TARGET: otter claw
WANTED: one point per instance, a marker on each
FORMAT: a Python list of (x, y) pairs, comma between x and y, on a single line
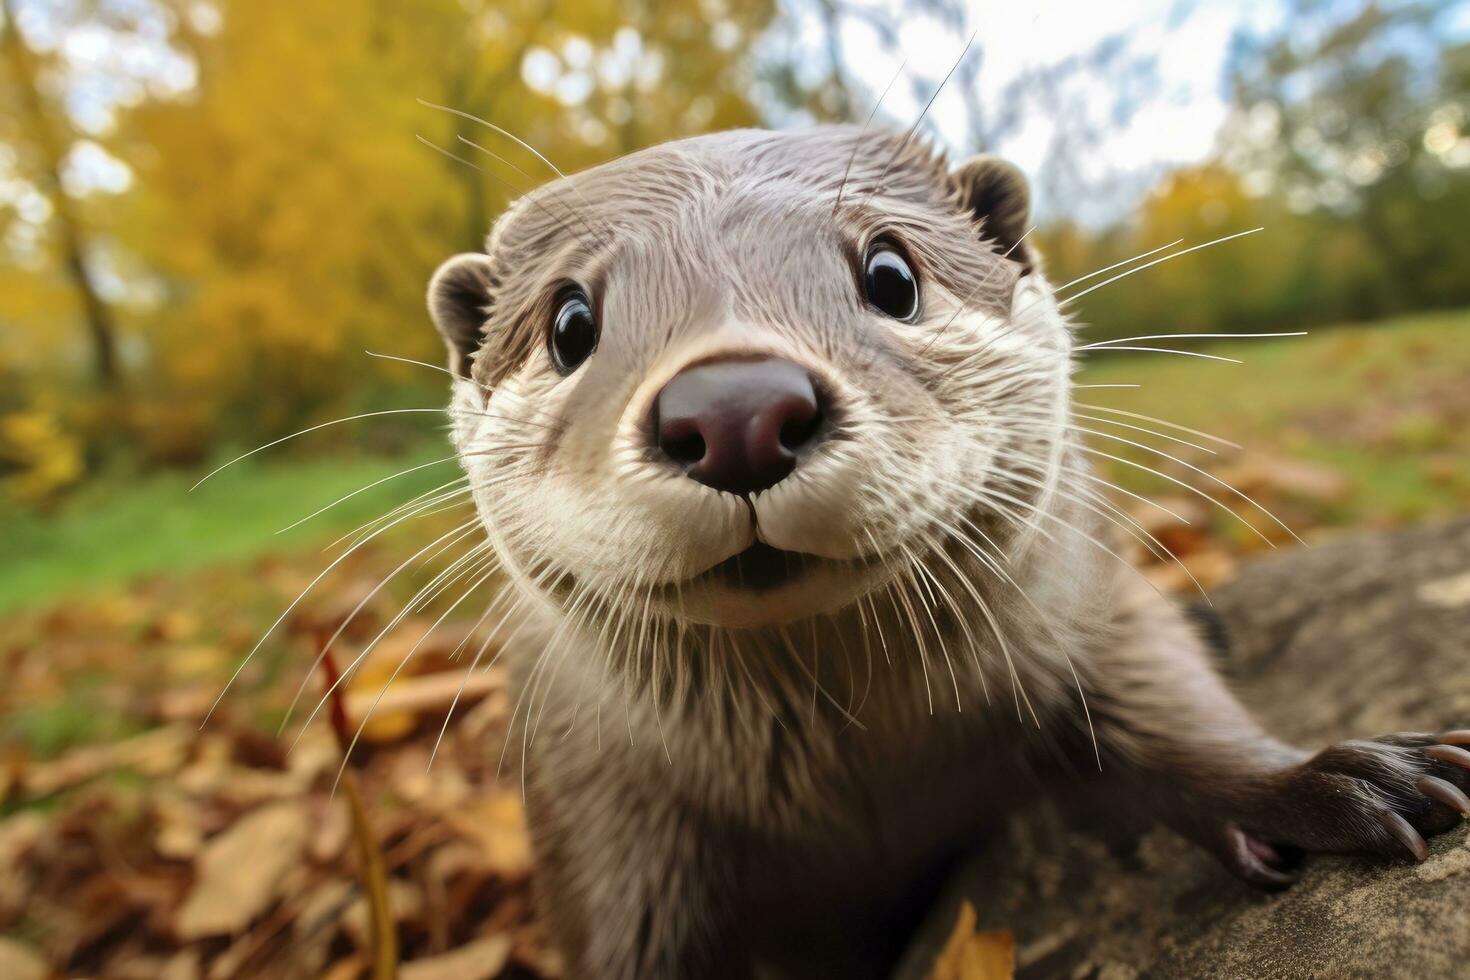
[(1443, 791), (1458, 737), (1404, 833), (1254, 861), (1450, 754)]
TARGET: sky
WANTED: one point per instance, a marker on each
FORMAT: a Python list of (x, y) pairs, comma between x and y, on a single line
[(1177, 119), (1176, 123)]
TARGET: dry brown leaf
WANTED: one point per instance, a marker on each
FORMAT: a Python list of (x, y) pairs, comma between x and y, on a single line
[(152, 753), (240, 871), (969, 954), (479, 959), (1293, 477), (1211, 567), (409, 697), (183, 965), (497, 822), (18, 836), (348, 968), (1173, 511), (19, 962)]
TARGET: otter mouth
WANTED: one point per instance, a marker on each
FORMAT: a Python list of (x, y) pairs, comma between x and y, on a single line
[(761, 568)]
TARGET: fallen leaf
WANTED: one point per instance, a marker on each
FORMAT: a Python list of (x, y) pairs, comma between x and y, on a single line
[(410, 697), (969, 954), (151, 753), (349, 968), (480, 959), (19, 962), (1293, 477), (497, 823), (240, 871)]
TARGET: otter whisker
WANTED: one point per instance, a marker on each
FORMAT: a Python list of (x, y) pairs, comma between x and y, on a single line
[(525, 146), (878, 628), (475, 568), (1116, 265), (1148, 265), (994, 498), (817, 688), (1093, 477), (847, 172), (1148, 540), (528, 687), (449, 500), (433, 367), (445, 541), (908, 136), (314, 428), (1158, 421), (286, 612), (657, 700), (474, 662), (1208, 476), (1146, 431), (867, 659), (439, 493), (1101, 344), (351, 668), (960, 308), (366, 487), (898, 592), (922, 575), (1017, 688), (554, 196), (1188, 486), (1167, 350), (937, 548), (1042, 618), (534, 202), (574, 620)]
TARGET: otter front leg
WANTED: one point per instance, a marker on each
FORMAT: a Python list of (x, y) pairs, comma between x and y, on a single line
[(1191, 753)]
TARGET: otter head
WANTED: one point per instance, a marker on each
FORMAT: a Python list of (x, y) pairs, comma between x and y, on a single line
[(745, 379)]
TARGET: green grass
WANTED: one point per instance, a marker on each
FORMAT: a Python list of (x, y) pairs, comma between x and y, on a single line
[(116, 530), (1386, 404)]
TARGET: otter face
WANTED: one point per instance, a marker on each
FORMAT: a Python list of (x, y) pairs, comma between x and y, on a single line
[(717, 381)]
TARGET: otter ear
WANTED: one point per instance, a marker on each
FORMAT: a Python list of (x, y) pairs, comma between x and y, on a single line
[(459, 302), (994, 192)]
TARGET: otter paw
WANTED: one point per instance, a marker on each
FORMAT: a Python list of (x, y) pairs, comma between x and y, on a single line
[(1377, 796)]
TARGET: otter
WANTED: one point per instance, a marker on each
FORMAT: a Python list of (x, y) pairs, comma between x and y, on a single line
[(773, 433)]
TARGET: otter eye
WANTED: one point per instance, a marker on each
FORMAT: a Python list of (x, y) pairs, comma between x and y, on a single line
[(890, 284), (573, 331)]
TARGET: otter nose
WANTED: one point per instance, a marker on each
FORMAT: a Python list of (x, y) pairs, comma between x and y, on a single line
[(737, 425)]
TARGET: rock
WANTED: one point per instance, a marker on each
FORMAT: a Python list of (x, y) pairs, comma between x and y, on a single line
[(1362, 635)]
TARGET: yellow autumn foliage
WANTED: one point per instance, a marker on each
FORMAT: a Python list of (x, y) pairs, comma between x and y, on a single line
[(37, 456), (282, 218)]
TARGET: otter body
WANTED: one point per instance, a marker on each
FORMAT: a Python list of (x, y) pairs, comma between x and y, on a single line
[(774, 436)]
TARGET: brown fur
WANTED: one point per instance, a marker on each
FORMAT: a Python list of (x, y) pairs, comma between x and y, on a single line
[(728, 784)]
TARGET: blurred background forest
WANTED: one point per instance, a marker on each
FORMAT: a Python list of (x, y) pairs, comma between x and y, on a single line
[(211, 211)]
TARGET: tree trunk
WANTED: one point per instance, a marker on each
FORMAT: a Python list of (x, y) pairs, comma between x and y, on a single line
[(101, 328)]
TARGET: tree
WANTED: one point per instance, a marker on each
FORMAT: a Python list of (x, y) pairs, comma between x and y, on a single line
[(41, 140), (1355, 111)]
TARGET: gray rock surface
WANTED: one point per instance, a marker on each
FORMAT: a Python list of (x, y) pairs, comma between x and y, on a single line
[(1361, 635)]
